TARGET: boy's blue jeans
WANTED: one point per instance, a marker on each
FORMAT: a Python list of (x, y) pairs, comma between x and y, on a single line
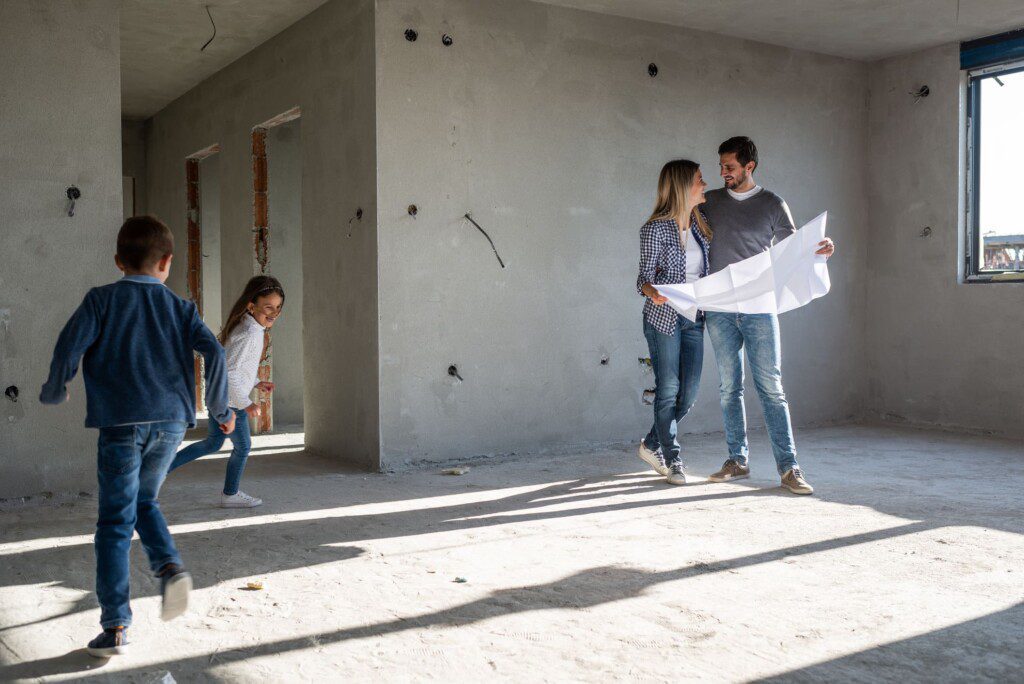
[(677, 360), (759, 333), (131, 465), (240, 441)]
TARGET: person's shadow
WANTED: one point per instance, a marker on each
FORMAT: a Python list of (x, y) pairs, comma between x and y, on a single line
[(77, 661)]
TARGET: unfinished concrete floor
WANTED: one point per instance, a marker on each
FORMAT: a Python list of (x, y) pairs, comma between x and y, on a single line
[(908, 565)]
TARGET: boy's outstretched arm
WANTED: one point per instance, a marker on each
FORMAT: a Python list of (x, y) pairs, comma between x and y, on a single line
[(78, 334), (204, 342)]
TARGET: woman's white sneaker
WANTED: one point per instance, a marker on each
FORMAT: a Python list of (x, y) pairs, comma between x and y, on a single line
[(653, 459), (239, 500)]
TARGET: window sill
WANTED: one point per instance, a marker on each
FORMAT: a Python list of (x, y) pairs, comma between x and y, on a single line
[(995, 278)]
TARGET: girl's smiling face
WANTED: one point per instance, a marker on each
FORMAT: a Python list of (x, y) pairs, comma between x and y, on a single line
[(266, 309)]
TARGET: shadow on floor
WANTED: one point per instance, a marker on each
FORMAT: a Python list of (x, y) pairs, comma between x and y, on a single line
[(591, 587), (989, 648)]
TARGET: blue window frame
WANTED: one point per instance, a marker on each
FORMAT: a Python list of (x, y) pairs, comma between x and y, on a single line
[(994, 249)]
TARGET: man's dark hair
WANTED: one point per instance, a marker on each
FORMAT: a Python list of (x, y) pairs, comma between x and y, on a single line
[(743, 147), (143, 241)]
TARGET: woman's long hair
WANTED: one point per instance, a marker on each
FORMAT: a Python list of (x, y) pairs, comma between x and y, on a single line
[(258, 286), (674, 184)]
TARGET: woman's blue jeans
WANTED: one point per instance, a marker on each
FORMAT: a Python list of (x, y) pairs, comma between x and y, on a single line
[(240, 441), (677, 360)]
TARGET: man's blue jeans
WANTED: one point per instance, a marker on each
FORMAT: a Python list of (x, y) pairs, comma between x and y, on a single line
[(677, 360), (759, 333), (240, 441), (131, 465)]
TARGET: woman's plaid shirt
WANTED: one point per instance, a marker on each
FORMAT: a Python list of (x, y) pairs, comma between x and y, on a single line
[(663, 262)]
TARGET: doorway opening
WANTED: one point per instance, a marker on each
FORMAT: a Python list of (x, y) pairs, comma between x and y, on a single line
[(202, 178), (277, 230)]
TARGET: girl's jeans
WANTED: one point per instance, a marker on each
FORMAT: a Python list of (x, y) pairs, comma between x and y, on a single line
[(239, 453)]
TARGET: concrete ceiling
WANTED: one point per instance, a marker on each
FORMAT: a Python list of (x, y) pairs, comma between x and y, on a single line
[(160, 42), (857, 29), (161, 39)]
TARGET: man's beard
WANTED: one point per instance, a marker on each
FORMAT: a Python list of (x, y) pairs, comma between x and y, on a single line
[(738, 179)]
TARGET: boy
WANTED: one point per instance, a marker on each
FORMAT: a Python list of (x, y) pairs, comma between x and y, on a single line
[(137, 339)]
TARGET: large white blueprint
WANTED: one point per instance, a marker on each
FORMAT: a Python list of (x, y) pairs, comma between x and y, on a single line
[(786, 276)]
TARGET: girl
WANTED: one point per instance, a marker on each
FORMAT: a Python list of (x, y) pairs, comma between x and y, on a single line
[(242, 337), (673, 249)]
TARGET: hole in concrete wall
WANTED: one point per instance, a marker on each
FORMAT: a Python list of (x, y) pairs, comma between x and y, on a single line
[(411, 35), (604, 360), (73, 194), (11, 393), (446, 40), (413, 210), (453, 371), (652, 69)]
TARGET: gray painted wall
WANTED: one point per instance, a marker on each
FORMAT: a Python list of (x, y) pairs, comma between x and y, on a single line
[(284, 195), (940, 352), (324, 64), (543, 123), (59, 125)]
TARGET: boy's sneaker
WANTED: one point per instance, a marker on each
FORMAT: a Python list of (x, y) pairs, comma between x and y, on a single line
[(175, 585), (653, 459), (794, 481), (731, 470), (239, 500), (110, 642), (676, 474)]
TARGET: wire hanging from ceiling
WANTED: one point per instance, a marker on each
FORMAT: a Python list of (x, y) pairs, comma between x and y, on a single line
[(214, 29)]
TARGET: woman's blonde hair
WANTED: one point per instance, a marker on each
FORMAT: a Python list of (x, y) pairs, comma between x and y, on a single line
[(675, 181)]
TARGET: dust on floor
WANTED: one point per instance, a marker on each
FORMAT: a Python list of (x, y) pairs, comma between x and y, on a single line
[(907, 565)]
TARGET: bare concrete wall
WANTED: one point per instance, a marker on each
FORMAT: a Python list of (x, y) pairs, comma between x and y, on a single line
[(324, 64), (209, 224), (284, 195), (940, 352), (544, 124), (60, 125)]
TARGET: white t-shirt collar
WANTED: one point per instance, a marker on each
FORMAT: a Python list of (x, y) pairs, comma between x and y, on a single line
[(744, 195)]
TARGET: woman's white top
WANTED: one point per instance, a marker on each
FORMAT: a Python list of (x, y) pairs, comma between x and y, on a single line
[(243, 352), (694, 257)]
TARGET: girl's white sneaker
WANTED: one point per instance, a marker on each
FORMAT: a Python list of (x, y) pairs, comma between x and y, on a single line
[(239, 500)]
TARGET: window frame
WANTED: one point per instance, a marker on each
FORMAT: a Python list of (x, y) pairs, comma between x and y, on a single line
[(972, 233)]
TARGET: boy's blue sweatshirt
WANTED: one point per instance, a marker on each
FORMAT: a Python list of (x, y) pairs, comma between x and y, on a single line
[(137, 339)]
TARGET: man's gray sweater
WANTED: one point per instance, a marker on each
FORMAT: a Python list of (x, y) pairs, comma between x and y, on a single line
[(743, 228)]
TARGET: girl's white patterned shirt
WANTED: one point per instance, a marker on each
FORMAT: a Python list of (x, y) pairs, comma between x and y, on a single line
[(243, 352)]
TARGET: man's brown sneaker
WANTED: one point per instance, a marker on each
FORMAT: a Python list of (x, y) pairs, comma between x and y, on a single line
[(731, 470), (794, 481)]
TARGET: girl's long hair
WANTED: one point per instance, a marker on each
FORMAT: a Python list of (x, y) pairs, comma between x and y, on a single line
[(674, 183), (258, 286)]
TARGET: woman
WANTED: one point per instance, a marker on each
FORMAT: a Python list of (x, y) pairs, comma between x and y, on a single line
[(673, 249)]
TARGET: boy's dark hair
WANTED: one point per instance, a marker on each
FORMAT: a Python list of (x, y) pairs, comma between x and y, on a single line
[(743, 147), (143, 241)]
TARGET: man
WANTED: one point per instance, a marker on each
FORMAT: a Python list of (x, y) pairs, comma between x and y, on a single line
[(747, 219)]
